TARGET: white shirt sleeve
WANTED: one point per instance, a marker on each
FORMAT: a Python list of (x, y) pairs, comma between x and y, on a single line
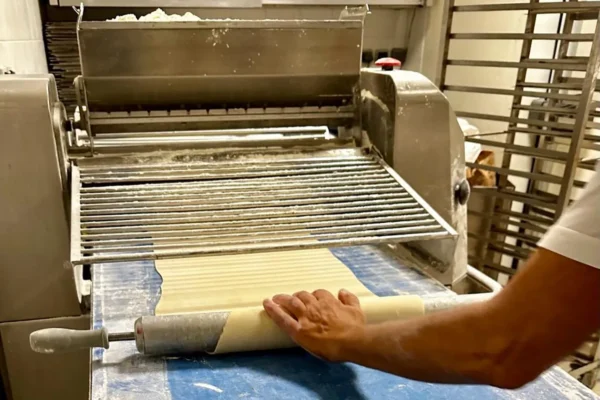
[(576, 235)]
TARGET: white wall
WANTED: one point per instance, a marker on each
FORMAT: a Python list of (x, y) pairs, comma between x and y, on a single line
[(21, 45), (425, 43)]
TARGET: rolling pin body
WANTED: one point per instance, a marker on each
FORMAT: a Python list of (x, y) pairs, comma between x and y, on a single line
[(244, 329)]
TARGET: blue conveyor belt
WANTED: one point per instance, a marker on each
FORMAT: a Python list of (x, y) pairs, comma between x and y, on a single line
[(124, 291)]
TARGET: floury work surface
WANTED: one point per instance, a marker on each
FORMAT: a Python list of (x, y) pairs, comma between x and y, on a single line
[(122, 292)]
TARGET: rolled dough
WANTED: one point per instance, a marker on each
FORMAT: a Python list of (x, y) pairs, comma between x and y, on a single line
[(249, 329), (239, 284)]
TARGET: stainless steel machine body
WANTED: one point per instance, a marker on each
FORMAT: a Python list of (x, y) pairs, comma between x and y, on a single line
[(221, 137), (34, 227), (411, 122)]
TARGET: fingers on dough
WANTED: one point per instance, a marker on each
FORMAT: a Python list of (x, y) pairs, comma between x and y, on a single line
[(281, 298), (322, 294), (348, 298), (281, 317), (292, 305), (306, 297)]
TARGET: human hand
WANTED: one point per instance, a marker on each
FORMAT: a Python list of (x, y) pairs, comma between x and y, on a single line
[(320, 323)]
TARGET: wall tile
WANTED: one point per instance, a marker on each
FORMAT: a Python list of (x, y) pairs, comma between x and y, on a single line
[(24, 57), (20, 20)]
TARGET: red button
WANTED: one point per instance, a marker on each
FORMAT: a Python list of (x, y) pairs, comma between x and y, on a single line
[(388, 63)]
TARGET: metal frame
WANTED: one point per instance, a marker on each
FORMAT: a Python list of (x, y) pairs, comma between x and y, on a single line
[(581, 119), (130, 211), (514, 234), (232, 3), (203, 193), (236, 64)]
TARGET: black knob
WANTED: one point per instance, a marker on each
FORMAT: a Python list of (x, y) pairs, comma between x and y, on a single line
[(68, 125), (462, 191)]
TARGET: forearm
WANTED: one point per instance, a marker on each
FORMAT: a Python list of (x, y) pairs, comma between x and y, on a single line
[(463, 346), (539, 318)]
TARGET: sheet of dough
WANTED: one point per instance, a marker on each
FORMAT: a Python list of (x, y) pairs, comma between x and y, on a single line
[(223, 283), (239, 283)]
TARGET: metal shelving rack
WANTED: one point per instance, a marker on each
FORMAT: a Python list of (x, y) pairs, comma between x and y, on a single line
[(561, 124)]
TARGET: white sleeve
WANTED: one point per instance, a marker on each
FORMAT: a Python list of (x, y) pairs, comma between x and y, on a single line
[(576, 235)]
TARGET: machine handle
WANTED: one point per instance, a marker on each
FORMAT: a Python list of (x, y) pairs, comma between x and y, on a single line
[(58, 340)]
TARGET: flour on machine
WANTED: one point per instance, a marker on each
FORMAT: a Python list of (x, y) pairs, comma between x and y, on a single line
[(229, 136)]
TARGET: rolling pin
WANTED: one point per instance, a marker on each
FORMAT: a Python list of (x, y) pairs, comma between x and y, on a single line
[(204, 332), (238, 330)]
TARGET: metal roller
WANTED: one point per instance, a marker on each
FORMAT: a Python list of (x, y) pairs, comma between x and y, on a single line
[(179, 334), (153, 335)]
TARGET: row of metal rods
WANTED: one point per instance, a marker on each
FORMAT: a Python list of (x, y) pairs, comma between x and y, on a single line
[(313, 237), (513, 233), (164, 227), (191, 193), (262, 184), (133, 211), (556, 129), (254, 246), (207, 240), (258, 225), (197, 209), (222, 173), (243, 215), (208, 167), (224, 199)]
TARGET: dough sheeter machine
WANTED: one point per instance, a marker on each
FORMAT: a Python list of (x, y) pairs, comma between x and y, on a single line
[(235, 136)]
